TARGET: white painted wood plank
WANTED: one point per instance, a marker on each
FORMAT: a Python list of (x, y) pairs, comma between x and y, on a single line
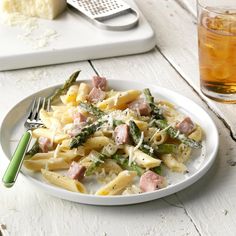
[(189, 5), (25, 210), (176, 36), (205, 202)]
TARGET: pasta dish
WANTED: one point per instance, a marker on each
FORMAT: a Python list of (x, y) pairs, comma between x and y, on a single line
[(122, 140)]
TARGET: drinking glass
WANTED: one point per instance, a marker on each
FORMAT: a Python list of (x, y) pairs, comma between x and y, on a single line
[(217, 49)]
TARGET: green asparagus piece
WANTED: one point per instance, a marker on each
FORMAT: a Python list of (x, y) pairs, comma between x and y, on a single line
[(92, 109), (162, 124), (124, 163), (90, 170), (145, 146), (34, 149), (156, 112), (165, 148), (157, 170), (117, 123), (85, 133), (63, 89)]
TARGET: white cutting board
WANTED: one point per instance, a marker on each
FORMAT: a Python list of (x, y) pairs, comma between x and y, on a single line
[(70, 37)]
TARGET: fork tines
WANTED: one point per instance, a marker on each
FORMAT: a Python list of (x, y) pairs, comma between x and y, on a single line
[(38, 104)]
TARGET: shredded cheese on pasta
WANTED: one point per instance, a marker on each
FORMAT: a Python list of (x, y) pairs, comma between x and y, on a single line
[(158, 130), (132, 150), (56, 152)]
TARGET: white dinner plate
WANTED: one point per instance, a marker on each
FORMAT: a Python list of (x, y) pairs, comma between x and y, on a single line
[(201, 160)]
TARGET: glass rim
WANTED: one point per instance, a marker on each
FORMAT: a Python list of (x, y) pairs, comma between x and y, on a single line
[(212, 11)]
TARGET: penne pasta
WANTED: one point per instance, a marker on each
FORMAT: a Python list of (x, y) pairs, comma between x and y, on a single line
[(110, 166), (159, 137), (120, 100), (72, 94), (173, 164), (197, 134), (51, 164), (63, 181), (142, 159), (43, 132), (124, 179), (183, 153), (83, 92), (97, 143)]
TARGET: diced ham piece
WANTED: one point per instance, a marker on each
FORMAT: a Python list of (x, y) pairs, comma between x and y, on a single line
[(186, 126), (99, 82), (78, 117), (151, 181), (96, 95), (140, 106), (76, 128), (76, 171), (121, 134), (45, 144)]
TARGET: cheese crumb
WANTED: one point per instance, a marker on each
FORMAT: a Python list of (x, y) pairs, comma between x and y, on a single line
[(31, 33), (48, 9)]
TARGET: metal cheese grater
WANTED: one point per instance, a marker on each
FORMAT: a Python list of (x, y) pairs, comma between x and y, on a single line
[(101, 12)]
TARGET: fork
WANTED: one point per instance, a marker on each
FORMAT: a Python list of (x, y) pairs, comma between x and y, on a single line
[(32, 122)]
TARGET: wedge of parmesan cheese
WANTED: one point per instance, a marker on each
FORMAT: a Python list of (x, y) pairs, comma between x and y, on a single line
[(48, 9)]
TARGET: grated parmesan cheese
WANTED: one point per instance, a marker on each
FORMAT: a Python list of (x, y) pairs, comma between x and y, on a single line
[(132, 190), (56, 152), (132, 150), (117, 98), (32, 33), (158, 130), (177, 134), (140, 142), (166, 128)]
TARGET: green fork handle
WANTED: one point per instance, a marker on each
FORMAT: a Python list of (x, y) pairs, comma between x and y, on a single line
[(15, 164)]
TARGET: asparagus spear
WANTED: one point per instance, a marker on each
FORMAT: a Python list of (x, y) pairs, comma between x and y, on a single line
[(34, 149), (62, 90), (162, 123), (117, 123), (156, 112), (157, 170), (124, 163), (177, 135), (85, 133), (145, 146), (90, 170), (92, 109)]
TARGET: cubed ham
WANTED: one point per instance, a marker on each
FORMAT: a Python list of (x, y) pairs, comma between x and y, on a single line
[(121, 134), (45, 144), (76, 171), (99, 82), (78, 117), (76, 128), (140, 106), (186, 126), (96, 95), (151, 181)]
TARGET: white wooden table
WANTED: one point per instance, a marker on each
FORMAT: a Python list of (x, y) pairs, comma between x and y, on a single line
[(206, 208)]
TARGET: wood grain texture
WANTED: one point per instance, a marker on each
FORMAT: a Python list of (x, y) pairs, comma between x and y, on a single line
[(206, 202), (176, 37)]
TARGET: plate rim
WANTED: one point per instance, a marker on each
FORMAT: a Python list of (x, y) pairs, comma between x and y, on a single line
[(130, 199)]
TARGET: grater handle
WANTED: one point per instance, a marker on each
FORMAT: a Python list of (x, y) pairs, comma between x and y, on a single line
[(99, 21)]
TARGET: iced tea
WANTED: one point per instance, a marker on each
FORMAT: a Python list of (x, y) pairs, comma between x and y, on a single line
[(217, 54)]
